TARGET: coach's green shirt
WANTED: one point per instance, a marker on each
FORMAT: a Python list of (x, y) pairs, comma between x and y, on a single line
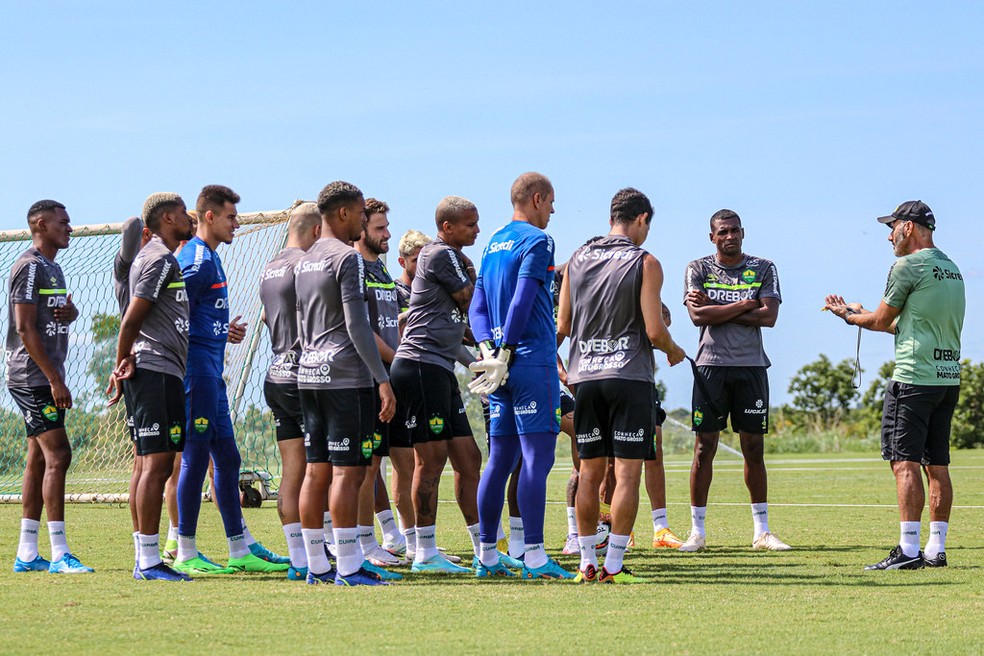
[(929, 289)]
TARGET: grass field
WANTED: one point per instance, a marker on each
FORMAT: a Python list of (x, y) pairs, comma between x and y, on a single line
[(838, 511)]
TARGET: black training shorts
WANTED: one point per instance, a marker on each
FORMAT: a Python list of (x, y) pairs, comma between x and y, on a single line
[(614, 418), (156, 402), (284, 401), (338, 425), (741, 392), (916, 422), (428, 402), (38, 408)]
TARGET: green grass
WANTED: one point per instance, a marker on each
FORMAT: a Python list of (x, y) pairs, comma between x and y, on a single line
[(837, 510)]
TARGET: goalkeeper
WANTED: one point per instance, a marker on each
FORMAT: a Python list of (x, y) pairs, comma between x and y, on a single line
[(512, 318)]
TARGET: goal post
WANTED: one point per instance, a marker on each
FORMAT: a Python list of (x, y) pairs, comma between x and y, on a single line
[(101, 450)]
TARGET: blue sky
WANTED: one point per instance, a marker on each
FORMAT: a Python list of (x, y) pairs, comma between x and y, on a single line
[(808, 119)]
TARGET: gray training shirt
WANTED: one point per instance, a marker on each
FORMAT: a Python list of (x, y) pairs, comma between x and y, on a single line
[(608, 332), (280, 308), (163, 342), (730, 344), (35, 280), (132, 234), (338, 350), (384, 302), (435, 325)]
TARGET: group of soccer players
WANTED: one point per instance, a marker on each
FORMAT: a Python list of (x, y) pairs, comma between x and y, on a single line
[(363, 368)]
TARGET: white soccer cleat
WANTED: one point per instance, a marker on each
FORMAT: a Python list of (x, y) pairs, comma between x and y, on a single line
[(767, 541), (382, 558), (694, 542), (572, 546)]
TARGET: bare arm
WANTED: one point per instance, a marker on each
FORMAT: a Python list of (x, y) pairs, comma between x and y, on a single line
[(385, 352), (652, 310), (463, 297), (881, 320), (763, 316), (136, 313), (564, 311), (25, 318)]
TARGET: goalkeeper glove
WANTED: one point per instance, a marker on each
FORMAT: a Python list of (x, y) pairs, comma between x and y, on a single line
[(493, 367)]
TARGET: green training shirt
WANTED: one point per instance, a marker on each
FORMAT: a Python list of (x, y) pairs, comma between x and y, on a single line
[(929, 289)]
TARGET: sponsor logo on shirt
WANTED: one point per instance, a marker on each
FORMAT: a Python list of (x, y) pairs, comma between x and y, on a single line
[(587, 346), (945, 274), (501, 246), (53, 328), (32, 270)]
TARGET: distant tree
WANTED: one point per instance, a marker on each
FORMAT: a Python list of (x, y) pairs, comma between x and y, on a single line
[(824, 391), (104, 329), (968, 418)]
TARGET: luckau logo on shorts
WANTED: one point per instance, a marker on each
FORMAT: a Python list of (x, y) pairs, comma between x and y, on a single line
[(50, 412), (174, 432), (367, 447), (201, 425), (528, 409), (436, 424), (377, 439), (698, 417), (593, 436)]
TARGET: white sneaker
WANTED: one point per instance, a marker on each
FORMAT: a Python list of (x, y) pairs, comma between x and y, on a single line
[(398, 548), (572, 546), (382, 558), (449, 557), (769, 542), (694, 542)]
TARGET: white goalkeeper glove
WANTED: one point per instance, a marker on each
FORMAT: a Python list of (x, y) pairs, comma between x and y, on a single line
[(493, 367)]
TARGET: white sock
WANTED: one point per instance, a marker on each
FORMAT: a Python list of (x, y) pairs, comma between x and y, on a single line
[(59, 544), (571, 521), (474, 534), (659, 520), (500, 533), (136, 547), (697, 515), (410, 535), (937, 539), (617, 544), (589, 555), (426, 543), (909, 538), (535, 555), (187, 548), (387, 524), (760, 518), (295, 544), (237, 546), (172, 533), (348, 552), (367, 538), (517, 539), (150, 550), (329, 529), (490, 554), (27, 548), (314, 550), (246, 534)]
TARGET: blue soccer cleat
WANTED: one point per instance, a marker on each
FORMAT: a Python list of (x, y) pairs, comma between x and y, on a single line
[(383, 574), (263, 553), (361, 577), (510, 562), (68, 564), (483, 571), (297, 573), (39, 564), (160, 572), (552, 570), (318, 579), (438, 564)]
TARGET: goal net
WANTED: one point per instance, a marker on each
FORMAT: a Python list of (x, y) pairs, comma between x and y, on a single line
[(102, 453)]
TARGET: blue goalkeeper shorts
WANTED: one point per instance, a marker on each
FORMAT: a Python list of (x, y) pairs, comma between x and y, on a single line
[(207, 409), (528, 403)]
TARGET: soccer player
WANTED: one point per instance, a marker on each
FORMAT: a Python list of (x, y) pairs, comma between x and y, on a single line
[(338, 365), (610, 307), (430, 404), (923, 305), (512, 319), (280, 386), (408, 249), (39, 312), (151, 355), (731, 296), (209, 431)]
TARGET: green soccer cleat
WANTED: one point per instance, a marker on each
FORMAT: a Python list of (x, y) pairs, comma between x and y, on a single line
[(251, 563), (621, 576), (263, 553), (170, 552), (200, 565)]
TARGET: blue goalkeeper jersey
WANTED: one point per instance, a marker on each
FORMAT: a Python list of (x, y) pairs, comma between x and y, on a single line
[(208, 300), (520, 250)]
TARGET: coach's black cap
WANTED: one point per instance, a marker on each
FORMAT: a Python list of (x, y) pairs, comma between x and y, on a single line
[(912, 210)]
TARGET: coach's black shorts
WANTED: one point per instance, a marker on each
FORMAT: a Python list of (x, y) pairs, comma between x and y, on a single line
[(741, 392), (614, 418), (338, 425), (916, 422), (38, 408), (428, 402), (156, 402), (284, 401)]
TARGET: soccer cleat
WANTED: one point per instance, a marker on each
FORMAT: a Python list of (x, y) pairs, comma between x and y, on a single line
[(571, 547), (503, 545), (621, 576), (631, 539), (380, 572), (510, 562), (695, 542), (327, 578), (380, 557), (398, 549), (438, 564), (483, 571), (251, 563), (939, 561), (297, 573), (769, 542), (361, 577), (665, 539), (160, 572), (68, 564), (897, 559), (200, 565), (552, 570), (39, 564), (450, 557), (263, 553), (170, 552), (587, 575)]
